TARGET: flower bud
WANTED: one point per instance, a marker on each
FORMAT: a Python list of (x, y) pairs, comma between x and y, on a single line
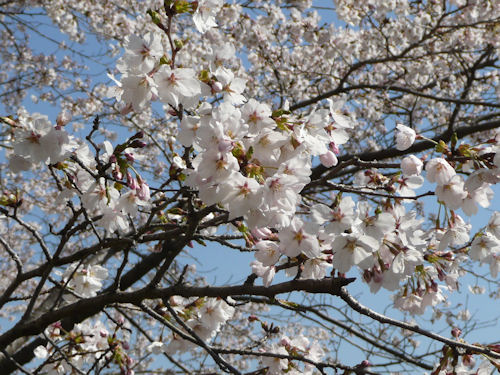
[(143, 191), (137, 144), (405, 137), (117, 174), (131, 182), (252, 318), (456, 332), (139, 134), (217, 87), (261, 233), (63, 118), (328, 159), (334, 148)]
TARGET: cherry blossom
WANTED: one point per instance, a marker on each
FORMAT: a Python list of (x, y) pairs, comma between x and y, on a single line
[(263, 128)]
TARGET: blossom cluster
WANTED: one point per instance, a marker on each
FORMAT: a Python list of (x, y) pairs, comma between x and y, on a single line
[(204, 317), (88, 337), (249, 157), (297, 346)]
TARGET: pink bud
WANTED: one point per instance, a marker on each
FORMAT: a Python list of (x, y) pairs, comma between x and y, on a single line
[(131, 182), (252, 318), (261, 233), (217, 87), (143, 191), (334, 148), (365, 364), (378, 276), (468, 360), (328, 159), (456, 332), (117, 174), (137, 144)]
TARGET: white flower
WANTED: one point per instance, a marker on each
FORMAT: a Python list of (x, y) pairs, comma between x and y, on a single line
[(138, 90), (240, 194), (129, 202), (18, 163), (231, 86), (483, 246), (315, 269), (481, 196), (476, 289), (464, 315), (141, 54), (258, 117), (266, 272), (452, 192), (456, 235), (268, 252), (39, 141), (204, 17), (411, 165), (352, 249), (156, 347), (339, 218), (405, 137), (299, 237), (215, 312), (275, 365), (439, 171), (494, 224), (177, 86), (113, 220), (41, 352), (87, 280)]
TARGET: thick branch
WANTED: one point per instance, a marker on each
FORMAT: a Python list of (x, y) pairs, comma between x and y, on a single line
[(85, 308)]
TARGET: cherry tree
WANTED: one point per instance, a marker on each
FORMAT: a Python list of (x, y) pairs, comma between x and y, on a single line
[(344, 149)]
